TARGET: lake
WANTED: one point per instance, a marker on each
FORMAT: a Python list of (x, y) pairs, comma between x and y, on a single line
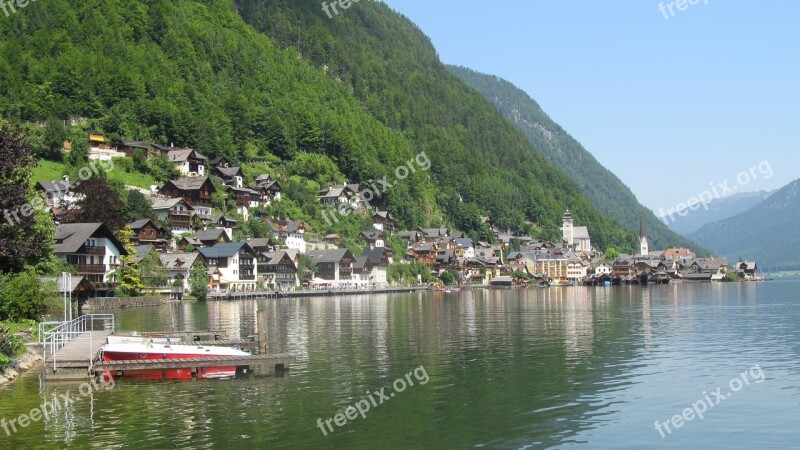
[(520, 368)]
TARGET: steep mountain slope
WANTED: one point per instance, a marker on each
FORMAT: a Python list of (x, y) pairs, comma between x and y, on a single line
[(767, 232), (719, 209), (366, 90), (194, 74), (608, 193), (481, 164)]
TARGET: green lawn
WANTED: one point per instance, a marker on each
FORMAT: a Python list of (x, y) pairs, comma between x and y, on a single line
[(53, 171)]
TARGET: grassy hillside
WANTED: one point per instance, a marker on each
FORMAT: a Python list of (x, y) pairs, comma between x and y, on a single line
[(53, 171), (608, 193)]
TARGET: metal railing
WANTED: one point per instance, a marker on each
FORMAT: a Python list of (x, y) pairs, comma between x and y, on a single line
[(55, 335)]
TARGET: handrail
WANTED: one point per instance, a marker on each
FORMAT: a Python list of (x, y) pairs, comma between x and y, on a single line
[(65, 332)]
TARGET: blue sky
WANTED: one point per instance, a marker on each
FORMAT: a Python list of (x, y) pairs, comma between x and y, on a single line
[(669, 105)]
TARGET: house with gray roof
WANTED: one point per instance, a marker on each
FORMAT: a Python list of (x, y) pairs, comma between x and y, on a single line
[(188, 162), (93, 250), (236, 262)]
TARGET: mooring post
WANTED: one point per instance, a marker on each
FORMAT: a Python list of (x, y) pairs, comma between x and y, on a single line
[(261, 324)]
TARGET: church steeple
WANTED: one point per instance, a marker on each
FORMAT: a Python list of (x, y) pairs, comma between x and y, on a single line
[(644, 249), (567, 228)]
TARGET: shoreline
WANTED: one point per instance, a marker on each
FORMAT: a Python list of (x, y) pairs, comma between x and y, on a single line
[(21, 364)]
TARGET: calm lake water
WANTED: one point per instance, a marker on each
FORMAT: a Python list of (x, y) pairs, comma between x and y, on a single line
[(556, 367)]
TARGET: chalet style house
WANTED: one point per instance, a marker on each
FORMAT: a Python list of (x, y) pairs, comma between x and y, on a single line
[(147, 232), (236, 262), (196, 191), (342, 195), (177, 211), (188, 162), (231, 176), (94, 251), (383, 221), (290, 233), (278, 270), (333, 265)]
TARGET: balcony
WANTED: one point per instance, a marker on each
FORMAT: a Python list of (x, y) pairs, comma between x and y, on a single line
[(247, 277), (90, 268), (94, 250)]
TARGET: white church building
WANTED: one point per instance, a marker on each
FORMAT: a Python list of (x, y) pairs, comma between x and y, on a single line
[(576, 237)]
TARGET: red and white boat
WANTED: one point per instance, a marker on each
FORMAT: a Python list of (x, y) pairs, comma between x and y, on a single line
[(147, 349)]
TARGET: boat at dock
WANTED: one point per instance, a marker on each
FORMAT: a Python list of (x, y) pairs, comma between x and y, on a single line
[(147, 349)]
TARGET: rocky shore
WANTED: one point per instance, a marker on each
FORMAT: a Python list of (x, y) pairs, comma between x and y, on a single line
[(22, 363)]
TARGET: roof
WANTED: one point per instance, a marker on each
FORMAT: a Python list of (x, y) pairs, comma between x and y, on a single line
[(371, 235), (263, 177), (360, 262), (259, 242), (70, 237), (139, 224), (225, 250), (209, 235), (183, 154), (216, 217), (229, 171), (178, 260), (190, 183), (374, 254), (328, 256), (169, 203), (141, 252), (580, 233), (464, 242), (56, 186)]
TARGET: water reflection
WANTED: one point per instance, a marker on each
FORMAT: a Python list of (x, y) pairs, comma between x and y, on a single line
[(508, 368)]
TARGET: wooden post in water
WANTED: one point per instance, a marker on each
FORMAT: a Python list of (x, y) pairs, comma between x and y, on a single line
[(261, 325)]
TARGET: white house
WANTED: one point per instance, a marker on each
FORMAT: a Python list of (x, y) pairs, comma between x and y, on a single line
[(177, 211), (290, 233), (92, 249), (188, 162), (236, 262)]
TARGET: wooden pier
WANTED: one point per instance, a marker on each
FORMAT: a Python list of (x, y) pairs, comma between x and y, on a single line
[(73, 361), (259, 365)]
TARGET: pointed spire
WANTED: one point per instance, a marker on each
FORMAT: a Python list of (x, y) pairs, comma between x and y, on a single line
[(641, 226)]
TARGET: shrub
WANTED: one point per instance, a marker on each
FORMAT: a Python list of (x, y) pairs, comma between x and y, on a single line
[(24, 296)]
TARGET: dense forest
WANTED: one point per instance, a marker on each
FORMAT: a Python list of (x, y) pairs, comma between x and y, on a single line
[(608, 193), (365, 91)]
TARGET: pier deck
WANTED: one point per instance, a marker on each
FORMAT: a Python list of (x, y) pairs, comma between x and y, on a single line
[(258, 364), (72, 362)]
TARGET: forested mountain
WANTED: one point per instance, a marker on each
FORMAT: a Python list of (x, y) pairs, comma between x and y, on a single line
[(393, 69), (608, 193), (719, 209), (767, 232), (365, 89)]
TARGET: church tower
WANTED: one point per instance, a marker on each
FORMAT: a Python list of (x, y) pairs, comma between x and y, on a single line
[(644, 249), (567, 228)]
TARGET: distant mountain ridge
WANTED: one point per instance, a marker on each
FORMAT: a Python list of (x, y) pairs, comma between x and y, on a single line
[(718, 209), (767, 232), (604, 189)]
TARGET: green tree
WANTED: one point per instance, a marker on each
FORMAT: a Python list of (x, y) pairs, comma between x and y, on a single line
[(25, 297), (152, 271), (198, 281), (611, 254), (448, 277), (24, 226), (53, 140), (306, 265), (130, 279), (137, 206)]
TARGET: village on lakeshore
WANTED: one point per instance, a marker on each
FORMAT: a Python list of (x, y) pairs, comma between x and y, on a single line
[(187, 231)]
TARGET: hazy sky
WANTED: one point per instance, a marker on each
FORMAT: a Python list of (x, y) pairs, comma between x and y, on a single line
[(670, 106)]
